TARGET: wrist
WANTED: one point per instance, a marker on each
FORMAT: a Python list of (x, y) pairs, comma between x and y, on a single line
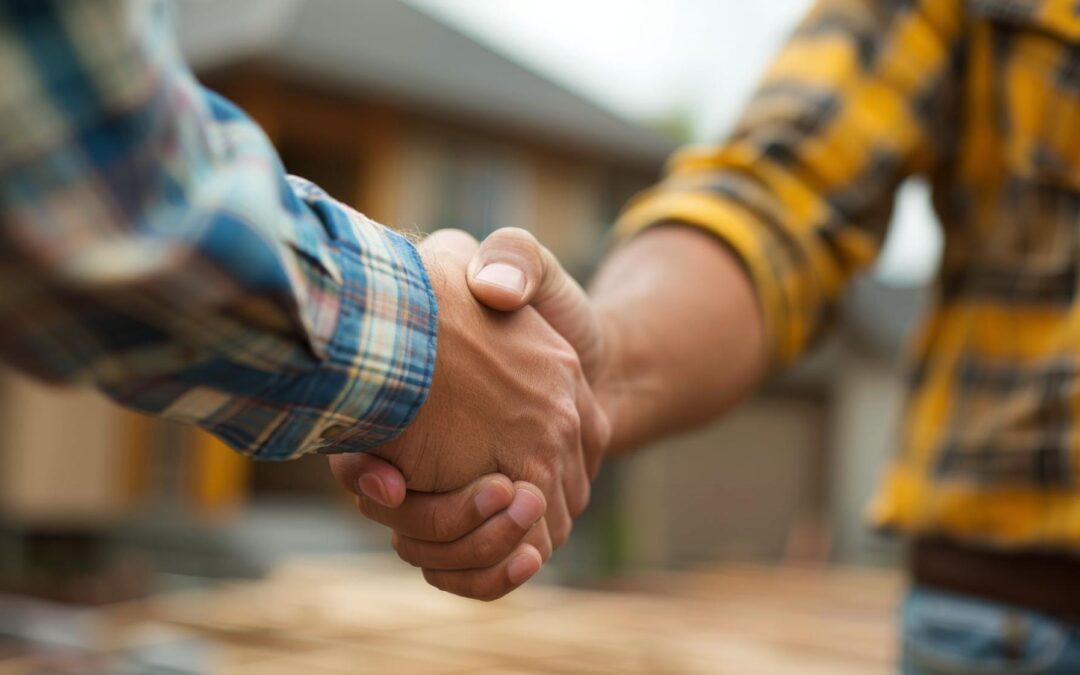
[(629, 383)]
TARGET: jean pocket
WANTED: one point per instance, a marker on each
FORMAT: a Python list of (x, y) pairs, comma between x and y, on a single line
[(947, 634)]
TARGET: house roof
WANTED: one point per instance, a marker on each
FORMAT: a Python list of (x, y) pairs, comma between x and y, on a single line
[(393, 49)]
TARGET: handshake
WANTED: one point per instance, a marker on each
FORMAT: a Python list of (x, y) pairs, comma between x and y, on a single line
[(487, 480)]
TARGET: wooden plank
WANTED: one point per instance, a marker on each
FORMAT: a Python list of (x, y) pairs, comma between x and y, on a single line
[(366, 615)]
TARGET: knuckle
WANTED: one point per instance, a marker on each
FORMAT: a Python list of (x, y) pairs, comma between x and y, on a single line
[(604, 433), (563, 425), (567, 411), (565, 363), (562, 437), (567, 357), (573, 425), (543, 474)]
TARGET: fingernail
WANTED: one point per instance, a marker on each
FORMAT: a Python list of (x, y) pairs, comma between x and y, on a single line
[(503, 276), (524, 565), (526, 509), (492, 499), (372, 486)]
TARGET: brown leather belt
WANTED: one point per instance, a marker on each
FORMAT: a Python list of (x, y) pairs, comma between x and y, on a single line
[(1047, 582)]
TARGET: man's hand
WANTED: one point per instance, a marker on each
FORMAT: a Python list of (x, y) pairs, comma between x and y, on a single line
[(508, 397), (670, 335), (558, 298)]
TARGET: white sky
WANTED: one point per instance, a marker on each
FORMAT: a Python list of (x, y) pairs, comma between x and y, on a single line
[(639, 57), (647, 58)]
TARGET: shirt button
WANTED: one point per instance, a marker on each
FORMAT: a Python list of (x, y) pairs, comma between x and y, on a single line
[(334, 432)]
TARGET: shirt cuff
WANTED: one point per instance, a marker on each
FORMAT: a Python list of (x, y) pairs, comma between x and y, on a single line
[(375, 366), (383, 351), (760, 251)]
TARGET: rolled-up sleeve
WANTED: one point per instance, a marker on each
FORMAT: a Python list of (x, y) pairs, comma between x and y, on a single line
[(802, 191)]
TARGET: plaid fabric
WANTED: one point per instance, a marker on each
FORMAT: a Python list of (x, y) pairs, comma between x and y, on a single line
[(151, 244), (983, 97)]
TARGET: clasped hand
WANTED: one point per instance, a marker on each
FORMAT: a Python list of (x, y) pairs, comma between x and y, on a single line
[(485, 483)]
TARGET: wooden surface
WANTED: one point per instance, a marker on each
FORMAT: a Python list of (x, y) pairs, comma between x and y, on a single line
[(376, 616)]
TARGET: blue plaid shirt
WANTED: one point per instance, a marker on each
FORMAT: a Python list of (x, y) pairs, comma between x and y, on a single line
[(151, 244)]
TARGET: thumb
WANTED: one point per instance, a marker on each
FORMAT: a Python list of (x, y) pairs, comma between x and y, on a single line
[(512, 269)]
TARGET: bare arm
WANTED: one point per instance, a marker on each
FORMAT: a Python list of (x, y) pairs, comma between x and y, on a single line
[(684, 331)]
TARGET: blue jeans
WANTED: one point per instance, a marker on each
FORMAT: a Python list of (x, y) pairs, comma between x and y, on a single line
[(959, 635)]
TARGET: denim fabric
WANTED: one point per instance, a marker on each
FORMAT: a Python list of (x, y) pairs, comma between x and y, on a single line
[(959, 635)]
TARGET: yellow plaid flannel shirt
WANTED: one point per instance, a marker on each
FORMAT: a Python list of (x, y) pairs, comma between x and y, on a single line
[(983, 98)]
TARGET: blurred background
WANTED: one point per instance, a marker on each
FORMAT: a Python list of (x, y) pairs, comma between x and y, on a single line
[(478, 114)]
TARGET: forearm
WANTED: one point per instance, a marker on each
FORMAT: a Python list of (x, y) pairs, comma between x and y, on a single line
[(686, 333), (153, 246)]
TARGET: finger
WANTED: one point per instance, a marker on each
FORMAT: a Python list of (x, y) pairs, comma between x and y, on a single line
[(483, 547), (559, 521), (576, 487), (540, 538), (493, 582), (512, 269), (537, 537), (575, 483), (595, 429), (446, 516), (369, 477)]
